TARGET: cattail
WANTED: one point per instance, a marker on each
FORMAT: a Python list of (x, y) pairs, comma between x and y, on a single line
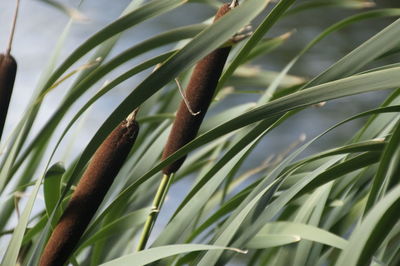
[(196, 100), (199, 93), (8, 70), (89, 193), (190, 114)]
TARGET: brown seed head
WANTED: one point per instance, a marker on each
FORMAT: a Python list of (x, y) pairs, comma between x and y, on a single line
[(199, 94), (8, 70), (89, 193)]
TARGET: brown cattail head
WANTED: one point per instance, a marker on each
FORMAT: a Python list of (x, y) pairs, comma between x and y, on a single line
[(89, 193), (8, 70), (199, 94)]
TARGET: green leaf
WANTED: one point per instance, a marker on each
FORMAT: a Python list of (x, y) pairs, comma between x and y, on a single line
[(211, 257), (153, 254), (384, 41), (363, 146), (368, 236), (255, 38), (226, 208), (118, 226), (71, 12), (298, 231), (10, 257), (341, 169), (264, 241), (375, 126), (51, 186), (388, 171), (34, 230), (254, 77), (330, 3)]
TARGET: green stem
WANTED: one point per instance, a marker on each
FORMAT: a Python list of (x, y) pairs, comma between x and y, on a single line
[(155, 209)]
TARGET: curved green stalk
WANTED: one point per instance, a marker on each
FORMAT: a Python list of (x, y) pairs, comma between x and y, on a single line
[(155, 209)]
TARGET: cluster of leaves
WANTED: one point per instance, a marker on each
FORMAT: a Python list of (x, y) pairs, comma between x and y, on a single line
[(337, 207)]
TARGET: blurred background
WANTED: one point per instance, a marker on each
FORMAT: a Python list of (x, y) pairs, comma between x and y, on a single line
[(40, 25)]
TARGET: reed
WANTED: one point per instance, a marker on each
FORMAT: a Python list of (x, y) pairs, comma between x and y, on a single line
[(8, 71), (192, 109), (90, 191)]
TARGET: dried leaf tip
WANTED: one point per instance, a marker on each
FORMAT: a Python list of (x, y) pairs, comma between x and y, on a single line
[(368, 4), (156, 67), (184, 98), (287, 35), (131, 117)]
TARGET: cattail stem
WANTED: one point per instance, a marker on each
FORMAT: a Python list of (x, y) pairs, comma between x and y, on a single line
[(10, 41), (90, 192), (155, 209)]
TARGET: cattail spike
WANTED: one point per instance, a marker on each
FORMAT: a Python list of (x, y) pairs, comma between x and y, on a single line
[(10, 41), (90, 192), (8, 70), (198, 96)]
